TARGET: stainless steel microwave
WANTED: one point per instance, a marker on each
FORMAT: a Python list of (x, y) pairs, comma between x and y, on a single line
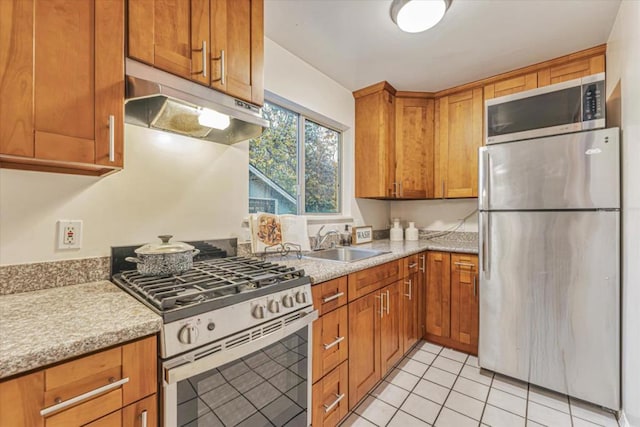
[(565, 107)]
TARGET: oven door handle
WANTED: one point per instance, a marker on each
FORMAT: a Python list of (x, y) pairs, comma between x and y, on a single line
[(188, 368)]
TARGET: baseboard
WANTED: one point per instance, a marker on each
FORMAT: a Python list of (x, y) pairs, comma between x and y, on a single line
[(623, 421)]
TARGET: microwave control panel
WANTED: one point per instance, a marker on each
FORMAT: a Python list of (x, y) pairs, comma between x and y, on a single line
[(593, 100)]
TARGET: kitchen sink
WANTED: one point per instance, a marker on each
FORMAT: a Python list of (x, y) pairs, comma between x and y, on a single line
[(345, 254)]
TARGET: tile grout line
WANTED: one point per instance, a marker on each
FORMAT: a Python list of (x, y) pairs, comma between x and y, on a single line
[(414, 387), (449, 394), (486, 401)]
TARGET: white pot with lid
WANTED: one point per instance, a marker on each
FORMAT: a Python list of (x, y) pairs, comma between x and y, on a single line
[(157, 259)]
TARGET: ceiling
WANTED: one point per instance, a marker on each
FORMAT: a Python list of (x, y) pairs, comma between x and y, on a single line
[(356, 43)]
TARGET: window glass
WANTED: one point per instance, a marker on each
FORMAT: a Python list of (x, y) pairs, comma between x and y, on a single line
[(322, 168)]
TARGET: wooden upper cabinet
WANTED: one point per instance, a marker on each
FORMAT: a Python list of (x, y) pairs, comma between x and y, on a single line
[(218, 43), (511, 86), (459, 129), (414, 147), (237, 48), (374, 146), (438, 294), (62, 85), (574, 69), (159, 33), (465, 299)]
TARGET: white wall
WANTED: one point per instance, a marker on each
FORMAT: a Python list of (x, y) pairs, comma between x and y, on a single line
[(437, 214), (623, 69), (170, 185)]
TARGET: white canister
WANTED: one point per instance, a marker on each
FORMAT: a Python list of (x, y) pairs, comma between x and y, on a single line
[(396, 232), (411, 233)]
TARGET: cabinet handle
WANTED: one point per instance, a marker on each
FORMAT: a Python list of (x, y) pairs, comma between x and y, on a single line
[(204, 58), (222, 65), (328, 408), (423, 259), (381, 297), (143, 418), (388, 301), (443, 195), (400, 188), (331, 344), (84, 396), (475, 286), (394, 192), (465, 264), (332, 297), (112, 138), (410, 286), (414, 265)]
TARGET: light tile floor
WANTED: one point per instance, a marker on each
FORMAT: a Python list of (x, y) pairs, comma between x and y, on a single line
[(442, 387)]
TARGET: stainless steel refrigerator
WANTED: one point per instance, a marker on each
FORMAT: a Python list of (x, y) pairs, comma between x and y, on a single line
[(550, 263)]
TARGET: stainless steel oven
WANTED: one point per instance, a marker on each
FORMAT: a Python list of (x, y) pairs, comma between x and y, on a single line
[(260, 377)]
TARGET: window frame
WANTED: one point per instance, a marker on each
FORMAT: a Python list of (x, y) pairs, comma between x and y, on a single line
[(304, 115)]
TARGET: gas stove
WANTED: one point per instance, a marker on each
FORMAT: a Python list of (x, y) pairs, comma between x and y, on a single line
[(220, 296)]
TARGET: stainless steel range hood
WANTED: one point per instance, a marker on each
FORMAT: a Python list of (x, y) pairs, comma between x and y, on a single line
[(159, 100)]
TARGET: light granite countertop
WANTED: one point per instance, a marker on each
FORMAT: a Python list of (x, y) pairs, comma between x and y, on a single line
[(43, 327), (323, 270)]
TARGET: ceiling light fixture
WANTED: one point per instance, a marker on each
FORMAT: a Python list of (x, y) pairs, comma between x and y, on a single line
[(415, 16)]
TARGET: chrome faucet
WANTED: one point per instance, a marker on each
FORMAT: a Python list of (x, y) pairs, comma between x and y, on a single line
[(321, 238)]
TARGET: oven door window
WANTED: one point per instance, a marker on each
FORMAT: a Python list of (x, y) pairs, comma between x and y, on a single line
[(265, 388)]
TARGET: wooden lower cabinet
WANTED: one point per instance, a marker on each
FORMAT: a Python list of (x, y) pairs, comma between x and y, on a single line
[(330, 397), (22, 398), (364, 347), (411, 312), (330, 342), (135, 414), (452, 301), (391, 326), (111, 420)]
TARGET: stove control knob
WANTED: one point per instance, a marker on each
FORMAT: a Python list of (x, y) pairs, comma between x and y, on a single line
[(258, 312), (301, 297), (287, 301), (188, 334), (274, 306)]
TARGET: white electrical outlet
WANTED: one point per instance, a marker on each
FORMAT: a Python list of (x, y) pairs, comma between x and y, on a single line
[(69, 234)]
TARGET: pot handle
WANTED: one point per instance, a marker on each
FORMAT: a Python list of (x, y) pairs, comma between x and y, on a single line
[(195, 252), (133, 259)]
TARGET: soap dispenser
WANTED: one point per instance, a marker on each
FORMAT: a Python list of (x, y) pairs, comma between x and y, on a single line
[(396, 232), (411, 232)]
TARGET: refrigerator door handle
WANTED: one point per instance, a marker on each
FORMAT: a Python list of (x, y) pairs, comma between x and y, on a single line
[(484, 178)]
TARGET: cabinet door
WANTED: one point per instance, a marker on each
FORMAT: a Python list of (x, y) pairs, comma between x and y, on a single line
[(16, 78), (375, 150), (414, 148), (438, 294), (458, 138), (330, 397), (510, 86), (21, 400), (112, 420), (139, 364), (364, 346), (422, 294), (330, 341), (365, 281), (237, 48), (411, 330), (391, 325), (159, 33), (135, 414), (63, 94), (464, 300), (571, 70)]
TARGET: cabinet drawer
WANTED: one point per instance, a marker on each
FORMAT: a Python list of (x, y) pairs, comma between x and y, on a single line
[(330, 342), (374, 278), (330, 295), (330, 397), (411, 265), (88, 411)]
